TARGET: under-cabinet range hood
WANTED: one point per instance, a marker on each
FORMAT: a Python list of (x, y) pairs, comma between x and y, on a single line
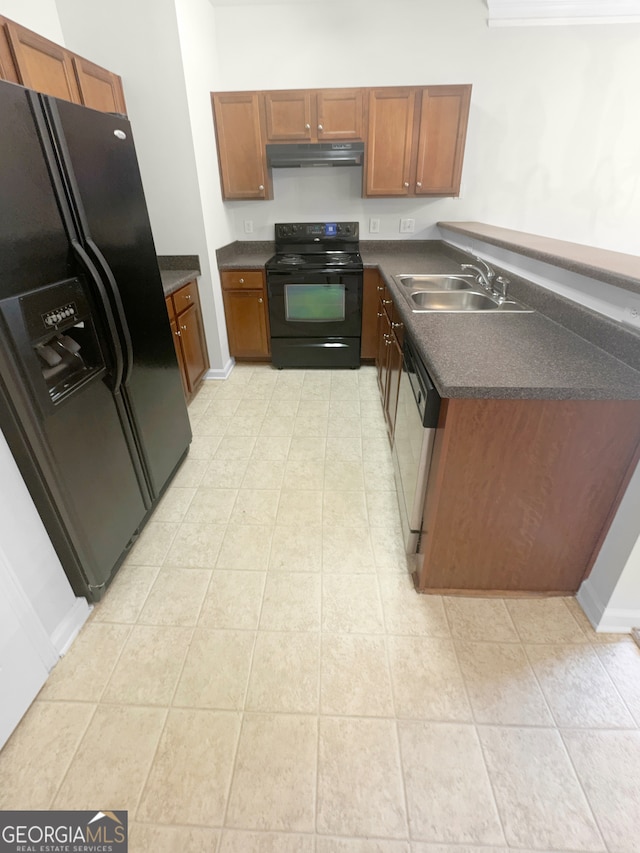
[(291, 155)]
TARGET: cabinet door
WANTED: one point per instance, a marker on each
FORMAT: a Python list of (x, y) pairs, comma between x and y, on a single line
[(241, 153), (43, 65), (339, 114), (443, 130), (99, 88), (179, 355), (288, 116), (8, 70), (394, 370), (390, 138), (371, 290), (194, 348), (382, 356), (246, 315)]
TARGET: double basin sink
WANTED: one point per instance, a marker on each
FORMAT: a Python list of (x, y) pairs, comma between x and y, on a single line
[(452, 293)]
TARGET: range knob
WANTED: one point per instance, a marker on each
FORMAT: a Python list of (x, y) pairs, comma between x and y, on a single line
[(285, 230)]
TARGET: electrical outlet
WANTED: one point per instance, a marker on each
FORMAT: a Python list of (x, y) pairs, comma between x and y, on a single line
[(248, 226), (407, 226), (374, 226), (632, 315)]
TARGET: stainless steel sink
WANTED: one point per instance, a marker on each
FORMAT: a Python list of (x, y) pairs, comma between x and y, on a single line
[(459, 301), (435, 282)]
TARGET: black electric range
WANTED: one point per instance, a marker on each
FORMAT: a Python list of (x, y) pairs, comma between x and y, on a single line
[(314, 284)]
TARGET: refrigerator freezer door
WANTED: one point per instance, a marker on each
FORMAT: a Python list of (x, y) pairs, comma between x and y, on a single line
[(74, 453), (102, 169)]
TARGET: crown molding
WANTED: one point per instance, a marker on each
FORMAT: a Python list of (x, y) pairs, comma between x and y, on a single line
[(522, 13)]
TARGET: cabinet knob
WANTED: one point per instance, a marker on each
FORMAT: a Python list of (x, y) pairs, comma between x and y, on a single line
[(406, 183), (184, 328), (261, 187), (307, 127), (187, 296), (419, 183), (260, 299), (387, 301), (387, 343), (320, 127), (241, 280), (396, 325), (380, 288), (178, 334), (379, 313)]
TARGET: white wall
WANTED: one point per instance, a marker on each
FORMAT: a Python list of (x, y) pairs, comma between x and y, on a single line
[(38, 15), (552, 146), (196, 27), (140, 41), (610, 596), (27, 551)]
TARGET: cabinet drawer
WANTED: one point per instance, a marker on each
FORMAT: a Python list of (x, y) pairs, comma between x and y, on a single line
[(242, 280), (171, 311), (186, 296)]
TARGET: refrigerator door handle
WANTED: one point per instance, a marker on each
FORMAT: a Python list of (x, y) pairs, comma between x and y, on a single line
[(89, 266), (117, 303)]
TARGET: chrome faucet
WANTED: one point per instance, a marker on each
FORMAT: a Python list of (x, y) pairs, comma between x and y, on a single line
[(483, 277), (486, 278)]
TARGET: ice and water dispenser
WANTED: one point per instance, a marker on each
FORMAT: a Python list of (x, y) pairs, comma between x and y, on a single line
[(54, 339)]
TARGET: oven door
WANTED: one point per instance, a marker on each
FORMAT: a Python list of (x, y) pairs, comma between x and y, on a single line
[(315, 305)]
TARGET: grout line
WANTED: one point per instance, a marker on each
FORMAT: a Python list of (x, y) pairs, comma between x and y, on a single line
[(582, 788), (474, 719), (75, 751)]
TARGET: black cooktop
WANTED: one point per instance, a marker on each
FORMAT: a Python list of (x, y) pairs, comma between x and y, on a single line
[(315, 246)]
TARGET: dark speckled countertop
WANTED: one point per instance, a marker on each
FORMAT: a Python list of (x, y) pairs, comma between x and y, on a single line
[(176, 270), (560, 351), (173, 279)]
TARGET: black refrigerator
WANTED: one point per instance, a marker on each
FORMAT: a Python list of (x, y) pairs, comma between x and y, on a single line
[(91, 399)]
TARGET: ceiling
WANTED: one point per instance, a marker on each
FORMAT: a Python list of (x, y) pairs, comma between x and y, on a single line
[(507, 12)]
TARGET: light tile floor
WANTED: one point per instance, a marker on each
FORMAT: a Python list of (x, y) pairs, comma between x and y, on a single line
[(262, 678)]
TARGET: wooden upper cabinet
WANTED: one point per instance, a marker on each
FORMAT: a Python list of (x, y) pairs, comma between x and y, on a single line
[(8, 70), (241, 152), (42, 65), (443, 129), (313, 116), (99, 88), (339, 114), (287, 116), (33, 61), (390, 142), (416, 140)]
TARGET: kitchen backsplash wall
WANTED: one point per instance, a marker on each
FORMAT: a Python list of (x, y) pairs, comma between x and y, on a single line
[(334, 193)]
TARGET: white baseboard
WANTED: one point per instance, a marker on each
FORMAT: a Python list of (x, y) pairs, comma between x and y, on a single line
[(68, 629), (221, 373), (604, 619)]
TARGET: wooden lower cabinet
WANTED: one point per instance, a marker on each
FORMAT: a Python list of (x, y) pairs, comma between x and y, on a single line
[(183, 307), (522, 492), (246, 312), (388, 356), (371, 288)]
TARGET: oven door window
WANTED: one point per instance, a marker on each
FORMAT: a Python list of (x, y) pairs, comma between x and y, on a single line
[(314, 303)]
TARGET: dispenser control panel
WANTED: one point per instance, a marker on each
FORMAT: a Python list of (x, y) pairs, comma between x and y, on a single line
[(59, 315)]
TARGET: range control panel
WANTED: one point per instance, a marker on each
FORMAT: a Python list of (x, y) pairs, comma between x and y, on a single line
[(58, 315), (300, 232)]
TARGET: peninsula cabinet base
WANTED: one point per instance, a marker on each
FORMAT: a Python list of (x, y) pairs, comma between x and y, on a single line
[(522, 493)]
